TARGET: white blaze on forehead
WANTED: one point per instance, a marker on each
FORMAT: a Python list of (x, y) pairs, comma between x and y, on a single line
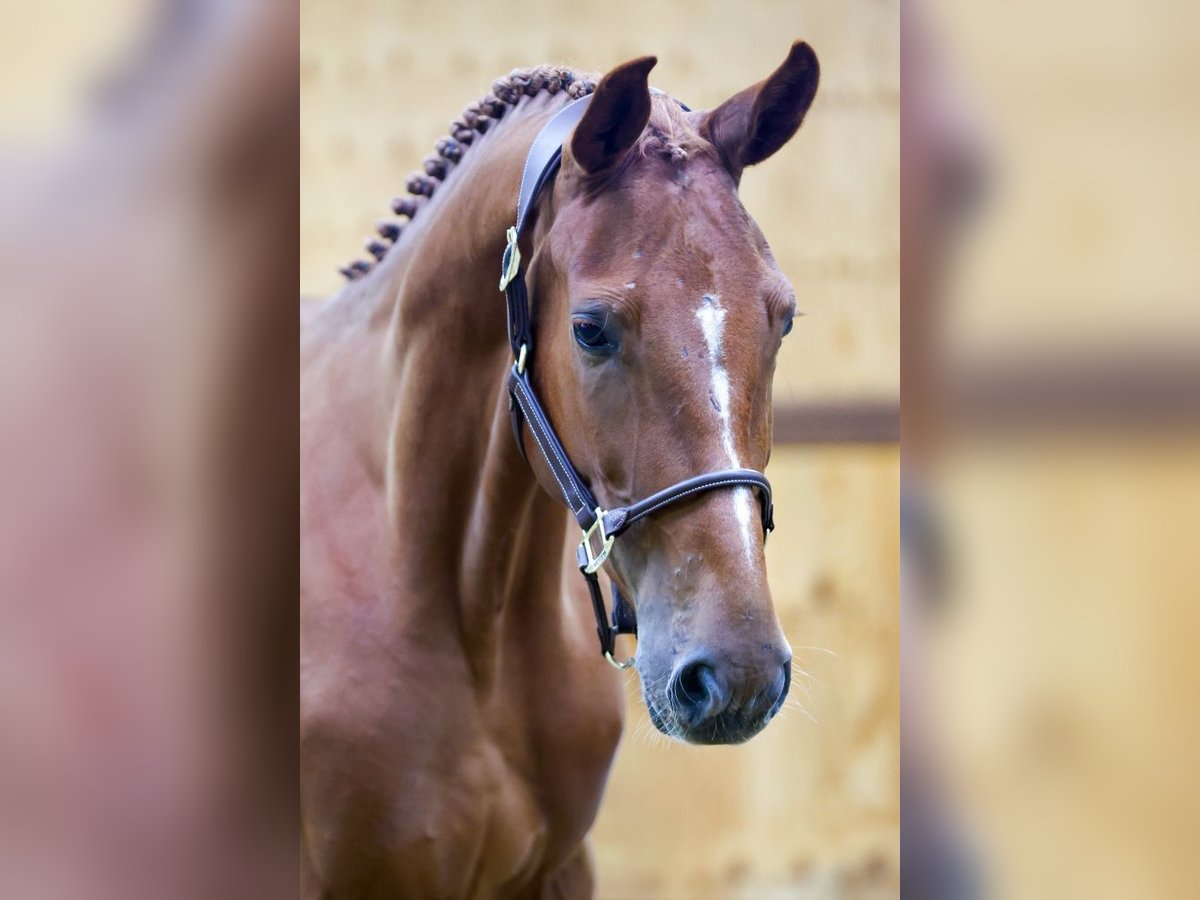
[(711, 316)]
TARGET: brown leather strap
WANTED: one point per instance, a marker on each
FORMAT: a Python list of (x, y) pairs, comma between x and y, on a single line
[(574, 492), (624, 621), (618, 520)]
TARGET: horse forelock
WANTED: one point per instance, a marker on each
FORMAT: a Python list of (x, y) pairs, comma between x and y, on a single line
[(669, 134)]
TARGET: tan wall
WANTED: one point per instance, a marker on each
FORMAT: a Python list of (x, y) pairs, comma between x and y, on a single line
[(810, 808), (1090, 228), (1060, 688)]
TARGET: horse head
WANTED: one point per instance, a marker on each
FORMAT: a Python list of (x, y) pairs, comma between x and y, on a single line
[(660, 311)]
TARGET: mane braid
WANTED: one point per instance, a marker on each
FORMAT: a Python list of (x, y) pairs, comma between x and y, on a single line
[(506, 93)]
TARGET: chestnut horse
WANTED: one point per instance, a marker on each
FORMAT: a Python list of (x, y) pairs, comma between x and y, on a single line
[(457, 723)]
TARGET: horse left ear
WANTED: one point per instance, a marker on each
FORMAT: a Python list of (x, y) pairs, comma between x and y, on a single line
[(752, 125)]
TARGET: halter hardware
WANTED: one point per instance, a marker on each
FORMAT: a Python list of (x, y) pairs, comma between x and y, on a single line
[(600, 527), (512, 259), (596, 559)]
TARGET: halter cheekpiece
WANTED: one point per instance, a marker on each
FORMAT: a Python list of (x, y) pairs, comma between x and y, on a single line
[(600, 527)]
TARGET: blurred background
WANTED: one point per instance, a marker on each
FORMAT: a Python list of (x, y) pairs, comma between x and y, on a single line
[(811, 807), (1051, 220), (148, 465)]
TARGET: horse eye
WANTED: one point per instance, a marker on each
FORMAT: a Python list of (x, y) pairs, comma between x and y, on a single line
[(591, 336), (787, 326)]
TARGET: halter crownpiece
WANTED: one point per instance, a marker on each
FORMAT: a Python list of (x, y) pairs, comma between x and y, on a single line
[(600, 527)]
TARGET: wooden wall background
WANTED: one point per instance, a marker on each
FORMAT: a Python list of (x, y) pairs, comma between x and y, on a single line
[(811, 807)]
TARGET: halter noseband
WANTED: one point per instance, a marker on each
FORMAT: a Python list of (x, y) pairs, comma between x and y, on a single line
[(600, 527)]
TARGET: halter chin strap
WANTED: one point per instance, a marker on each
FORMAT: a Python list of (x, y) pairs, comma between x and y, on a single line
[(601, 527)]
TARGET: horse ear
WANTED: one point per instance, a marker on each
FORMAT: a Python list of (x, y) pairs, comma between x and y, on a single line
[(752, 125), (617, 114)]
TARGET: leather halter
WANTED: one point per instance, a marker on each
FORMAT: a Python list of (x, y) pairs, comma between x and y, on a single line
[(600, 527)]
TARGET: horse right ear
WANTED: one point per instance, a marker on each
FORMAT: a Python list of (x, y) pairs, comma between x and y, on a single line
[(615, 117), (751, 125)]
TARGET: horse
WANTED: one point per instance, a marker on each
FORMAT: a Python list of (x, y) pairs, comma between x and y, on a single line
[(457, 725)]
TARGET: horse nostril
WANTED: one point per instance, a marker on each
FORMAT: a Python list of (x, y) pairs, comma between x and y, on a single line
[(698, 692), (690, 684), (782, 682)]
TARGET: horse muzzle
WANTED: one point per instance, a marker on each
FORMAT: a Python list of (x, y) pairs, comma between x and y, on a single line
[(707, 701)]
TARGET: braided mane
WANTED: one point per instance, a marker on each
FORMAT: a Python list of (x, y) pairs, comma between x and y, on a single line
[(505, 94)]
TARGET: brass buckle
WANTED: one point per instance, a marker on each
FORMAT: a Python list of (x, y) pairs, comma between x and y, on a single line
[(512, 259), (596, 559)]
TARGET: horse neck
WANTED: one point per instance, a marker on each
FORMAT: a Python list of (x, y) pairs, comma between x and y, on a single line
[(465, 507)]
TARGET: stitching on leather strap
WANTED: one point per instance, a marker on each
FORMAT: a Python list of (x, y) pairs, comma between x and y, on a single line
[(666, 501), (534, 428), (538, 424)]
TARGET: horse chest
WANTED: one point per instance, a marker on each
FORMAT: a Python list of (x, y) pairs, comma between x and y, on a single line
[(486, 824), (542, 749), (489, 805)]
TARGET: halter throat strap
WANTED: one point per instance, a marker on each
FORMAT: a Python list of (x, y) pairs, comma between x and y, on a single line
[(600, 527)]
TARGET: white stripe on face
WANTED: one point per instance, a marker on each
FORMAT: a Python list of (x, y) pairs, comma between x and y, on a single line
[(711, 316)]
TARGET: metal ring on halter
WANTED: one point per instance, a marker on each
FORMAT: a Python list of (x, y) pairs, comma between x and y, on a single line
[(618, 665)]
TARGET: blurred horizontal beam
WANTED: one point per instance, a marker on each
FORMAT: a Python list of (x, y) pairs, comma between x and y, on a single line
[(1139, 390), (858, 421), (1136, 390)]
